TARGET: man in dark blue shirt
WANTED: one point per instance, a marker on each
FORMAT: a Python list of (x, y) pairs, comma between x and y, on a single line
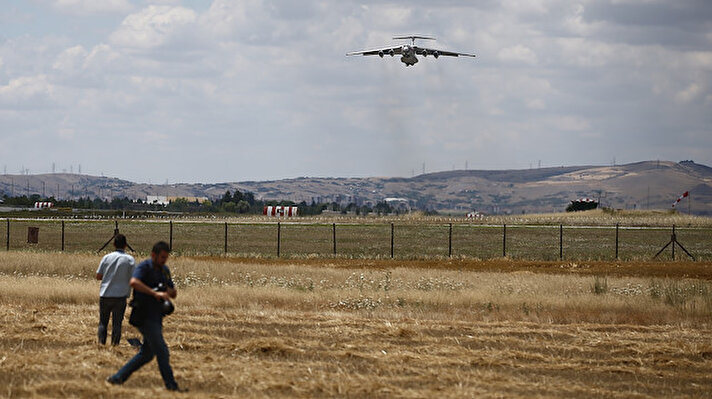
[(152, 286)]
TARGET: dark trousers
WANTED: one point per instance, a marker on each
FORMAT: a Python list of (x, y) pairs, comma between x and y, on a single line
[(114, 308), (153, 346)]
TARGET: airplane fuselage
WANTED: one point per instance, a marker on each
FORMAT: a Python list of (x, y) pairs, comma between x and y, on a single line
[(408, 57)]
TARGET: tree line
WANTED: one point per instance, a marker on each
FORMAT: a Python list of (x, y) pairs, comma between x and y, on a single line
[(231, 202)]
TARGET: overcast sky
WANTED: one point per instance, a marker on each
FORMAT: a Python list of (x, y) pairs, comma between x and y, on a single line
[(210, 91)]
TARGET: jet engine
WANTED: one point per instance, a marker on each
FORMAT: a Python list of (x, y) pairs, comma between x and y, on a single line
[(391, 52), (380, 54), (436, 54)]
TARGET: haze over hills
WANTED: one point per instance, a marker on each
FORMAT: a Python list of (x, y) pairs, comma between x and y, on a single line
[(642, 185)]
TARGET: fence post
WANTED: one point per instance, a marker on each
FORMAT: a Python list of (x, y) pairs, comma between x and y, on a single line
[(225, 237), (279, 238), (673, 242), (7, 243), (170, 235), (617, 226), (62, 235), (392, 240), (333, 230), (449, 243), (561, 241), (504, 240)]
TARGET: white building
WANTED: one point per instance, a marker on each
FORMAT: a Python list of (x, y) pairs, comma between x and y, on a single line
[(157, 200)]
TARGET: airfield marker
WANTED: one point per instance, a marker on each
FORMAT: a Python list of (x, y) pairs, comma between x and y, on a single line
[(225, 237), (170, 235), (62, 235), (7, 244)]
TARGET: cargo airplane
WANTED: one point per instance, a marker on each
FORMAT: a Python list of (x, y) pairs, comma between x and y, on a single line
[(409, 52)]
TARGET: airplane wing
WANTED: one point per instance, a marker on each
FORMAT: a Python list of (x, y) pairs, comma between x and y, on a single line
[(378, 51), (431, 51)]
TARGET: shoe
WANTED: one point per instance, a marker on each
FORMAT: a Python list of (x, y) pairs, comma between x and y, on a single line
[(177, 389), (114, 381)]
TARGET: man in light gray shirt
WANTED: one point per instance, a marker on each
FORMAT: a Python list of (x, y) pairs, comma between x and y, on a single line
[(114, 272)]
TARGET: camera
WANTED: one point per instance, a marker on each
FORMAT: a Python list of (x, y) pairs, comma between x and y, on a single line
[(166, 306)]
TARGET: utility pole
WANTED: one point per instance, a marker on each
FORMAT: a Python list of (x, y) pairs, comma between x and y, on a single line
[(28, 188), (43, 190), (423, 167), (648, 206)]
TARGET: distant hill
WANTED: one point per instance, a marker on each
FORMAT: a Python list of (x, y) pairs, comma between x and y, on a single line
[(650, 184)]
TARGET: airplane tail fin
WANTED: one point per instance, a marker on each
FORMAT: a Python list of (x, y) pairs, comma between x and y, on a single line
[(413, 37)]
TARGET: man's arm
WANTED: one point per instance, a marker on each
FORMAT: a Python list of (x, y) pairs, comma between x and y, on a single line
[(139, 286), (100, 269), (171, 287)]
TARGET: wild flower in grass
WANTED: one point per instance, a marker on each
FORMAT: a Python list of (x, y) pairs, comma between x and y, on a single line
[(628, 290), (361, 303)]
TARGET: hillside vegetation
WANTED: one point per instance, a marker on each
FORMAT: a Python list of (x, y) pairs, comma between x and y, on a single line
[(642, 185)]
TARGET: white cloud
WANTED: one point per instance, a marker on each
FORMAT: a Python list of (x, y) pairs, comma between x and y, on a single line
[(100, 57), (92, 7), (70, 60), (518, 54), (66, 133), (690, 93), (569, 123), (538, 7), (153, 27), (26, 91), (536, 103)]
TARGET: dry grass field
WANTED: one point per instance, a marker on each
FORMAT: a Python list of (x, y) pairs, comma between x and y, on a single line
[(378, 328)]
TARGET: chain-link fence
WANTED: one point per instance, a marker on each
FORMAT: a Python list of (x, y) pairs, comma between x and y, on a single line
[(375, 240)]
